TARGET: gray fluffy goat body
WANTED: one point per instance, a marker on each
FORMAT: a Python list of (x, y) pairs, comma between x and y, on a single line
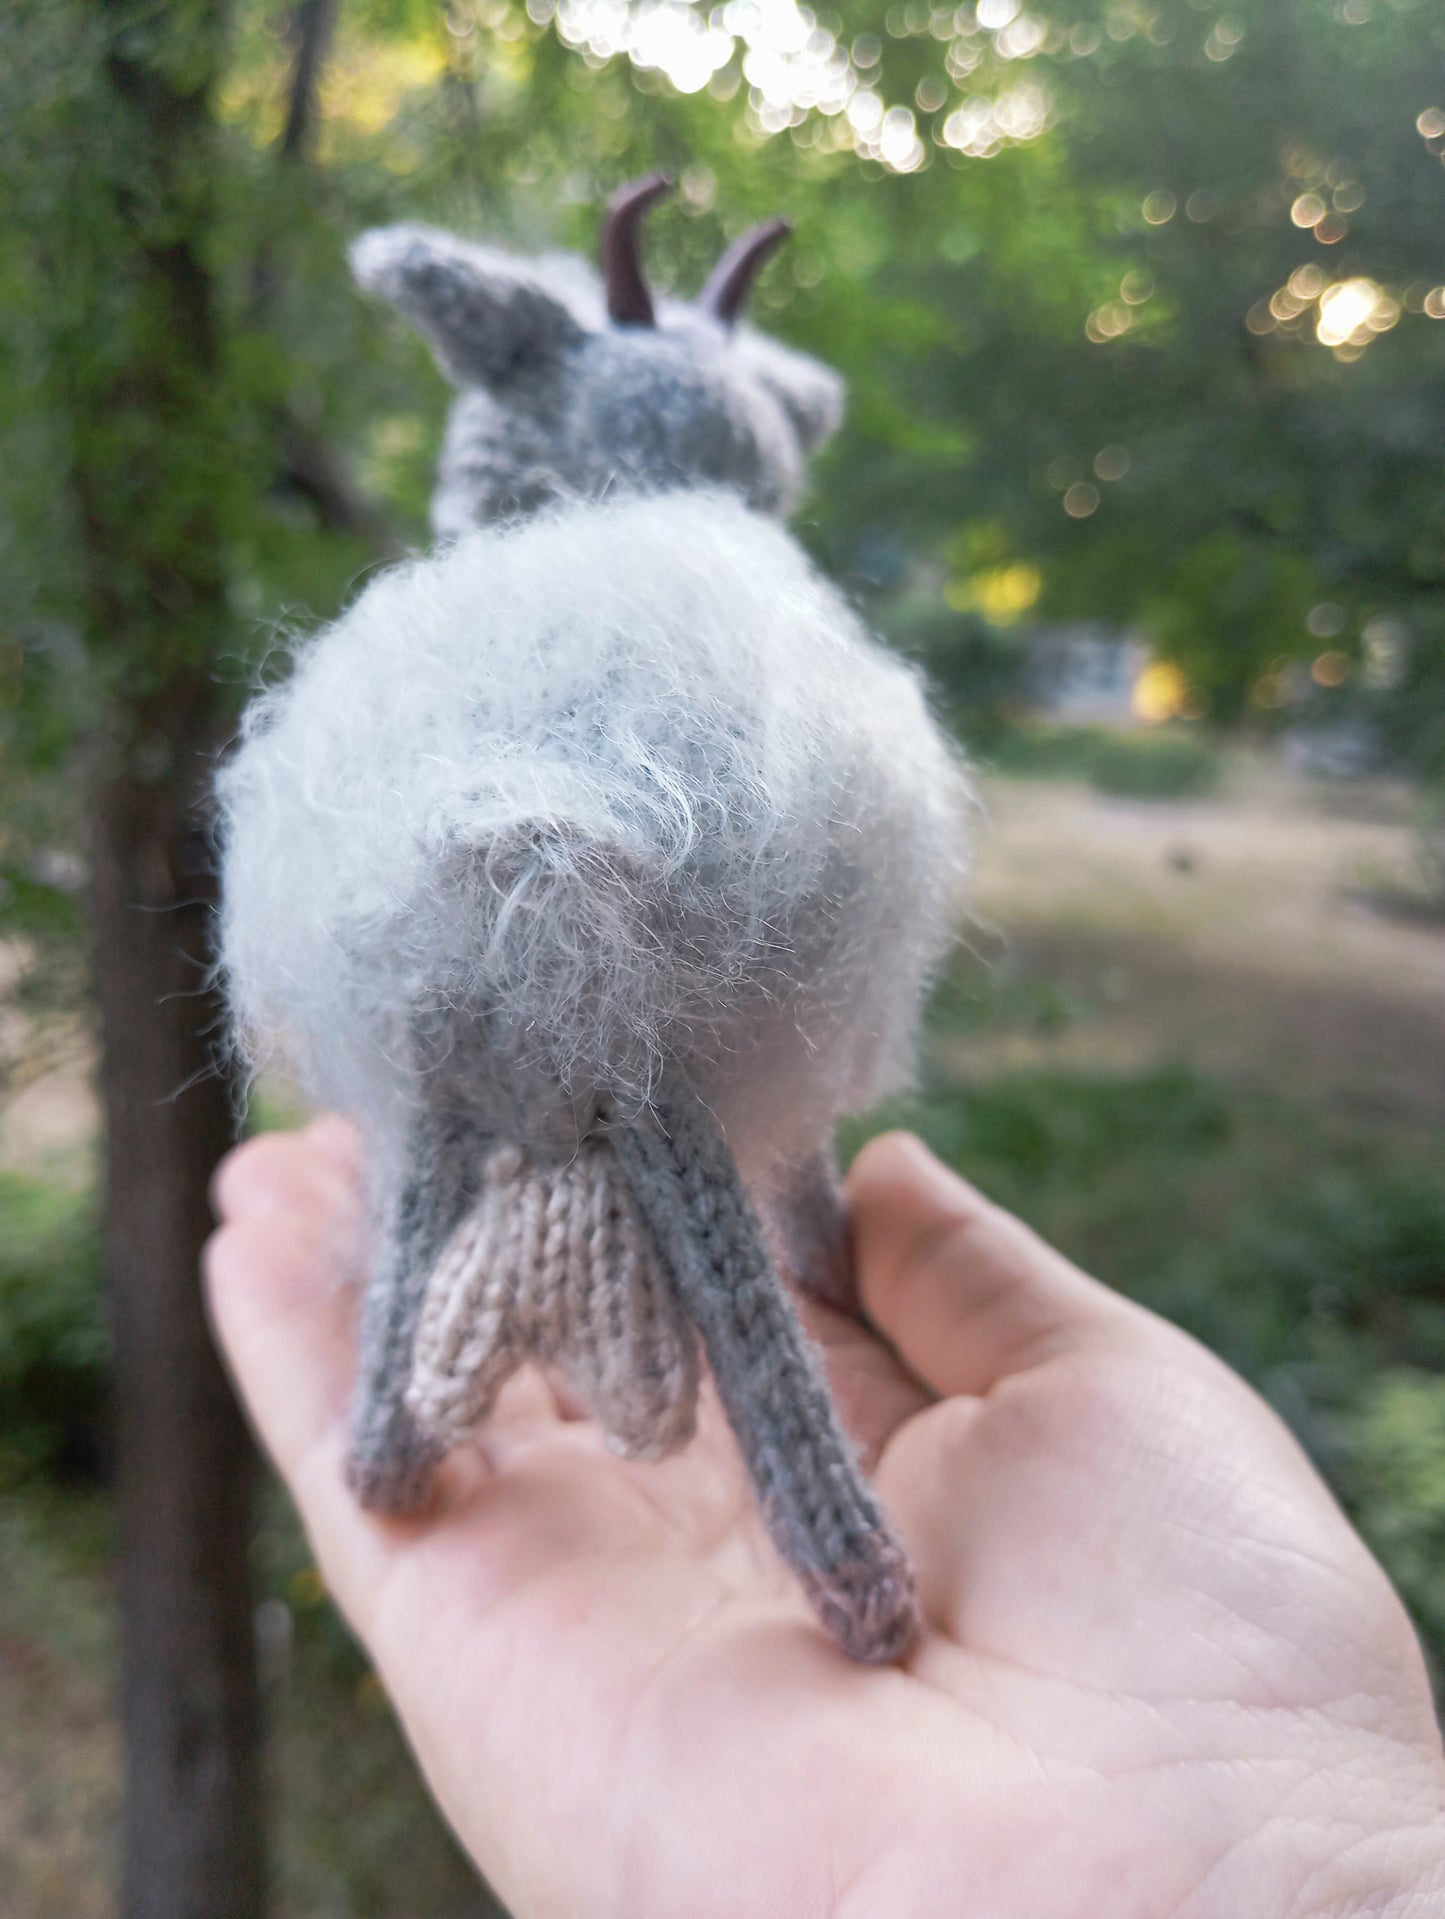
[(627, 790)]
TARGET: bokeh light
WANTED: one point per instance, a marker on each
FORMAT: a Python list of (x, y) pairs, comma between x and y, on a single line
[(1353, 311), (1330, 669), (1161, 692), (1347, 314), (797, 70), (1325, 621), (982, 126), (1003, 594)]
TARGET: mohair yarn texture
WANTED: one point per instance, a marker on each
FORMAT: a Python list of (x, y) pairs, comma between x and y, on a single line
[(596, 865)]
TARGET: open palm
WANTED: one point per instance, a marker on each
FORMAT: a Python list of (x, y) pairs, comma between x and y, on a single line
[(1161, 1675)]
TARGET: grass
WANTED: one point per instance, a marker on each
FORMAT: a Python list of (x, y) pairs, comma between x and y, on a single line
[(1164, 764)]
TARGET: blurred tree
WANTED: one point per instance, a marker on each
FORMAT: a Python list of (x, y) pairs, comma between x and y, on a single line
[(1180, 350), (1137, 296), (145, 431), (154, 404)]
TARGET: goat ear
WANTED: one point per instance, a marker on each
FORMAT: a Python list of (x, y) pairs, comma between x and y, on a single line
[(810, 393), (488, 318)]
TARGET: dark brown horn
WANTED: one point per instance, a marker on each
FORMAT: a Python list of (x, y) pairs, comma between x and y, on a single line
[(731, 280), (628, 301)]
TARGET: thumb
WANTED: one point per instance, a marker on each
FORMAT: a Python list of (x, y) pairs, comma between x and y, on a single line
[(964, 1291)]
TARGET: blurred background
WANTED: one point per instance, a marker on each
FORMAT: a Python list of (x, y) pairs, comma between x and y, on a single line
[(1142, 308)]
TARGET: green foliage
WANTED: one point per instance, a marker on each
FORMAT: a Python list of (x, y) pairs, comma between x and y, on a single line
[(974, 668), (54, 1334), (1395, 1478), (1031, 1127), (1162, 765), (1264, 473)]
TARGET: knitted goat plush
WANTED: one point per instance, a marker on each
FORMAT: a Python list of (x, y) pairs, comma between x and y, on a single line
[(595, 865)]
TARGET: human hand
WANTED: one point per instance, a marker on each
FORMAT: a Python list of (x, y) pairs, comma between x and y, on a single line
[(1161, 1674)]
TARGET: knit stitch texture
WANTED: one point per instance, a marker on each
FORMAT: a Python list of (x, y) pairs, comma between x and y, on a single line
[(553, 1265)]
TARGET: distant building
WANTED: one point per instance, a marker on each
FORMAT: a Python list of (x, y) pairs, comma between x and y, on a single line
[(1084, 674)]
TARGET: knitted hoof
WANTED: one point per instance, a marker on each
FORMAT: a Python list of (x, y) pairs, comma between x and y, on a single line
[(470, 1336), (866, 1602), (391, 1468), (652, 1429)]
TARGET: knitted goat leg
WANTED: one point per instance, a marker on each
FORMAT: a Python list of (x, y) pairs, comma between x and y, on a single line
[(810, 1226), (392, 1457), (818, 1507), (472, 1329), (626, 1344)]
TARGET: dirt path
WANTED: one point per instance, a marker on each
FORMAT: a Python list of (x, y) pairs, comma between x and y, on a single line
[(1233, 932)]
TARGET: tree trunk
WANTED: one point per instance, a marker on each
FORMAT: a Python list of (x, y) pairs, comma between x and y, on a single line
[(154, 449), (193, 1827)]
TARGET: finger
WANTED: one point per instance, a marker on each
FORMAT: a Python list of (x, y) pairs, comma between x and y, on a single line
[(337, 1138), (284, 1322), (284, 1170), (282, 1275), (964, 1291), (286, 1327), (873, 1393)]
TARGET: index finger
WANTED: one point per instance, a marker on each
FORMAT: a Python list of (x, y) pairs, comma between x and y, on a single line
[(278, 1286)]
